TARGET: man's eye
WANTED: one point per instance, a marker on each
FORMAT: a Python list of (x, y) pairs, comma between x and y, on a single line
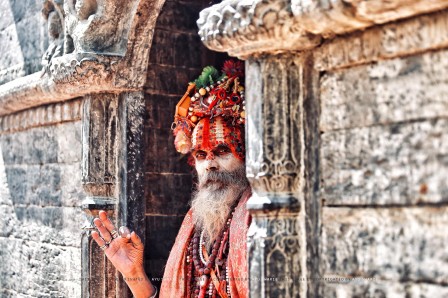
[(200, 155), (222, 151)]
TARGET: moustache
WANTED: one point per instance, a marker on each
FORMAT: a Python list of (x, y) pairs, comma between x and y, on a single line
[(223, 177)]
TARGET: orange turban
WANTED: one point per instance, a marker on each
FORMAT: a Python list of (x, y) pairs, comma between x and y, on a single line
[(212, 112)]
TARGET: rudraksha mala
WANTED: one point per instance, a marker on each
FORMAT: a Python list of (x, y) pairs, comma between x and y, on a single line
[(199, 283)]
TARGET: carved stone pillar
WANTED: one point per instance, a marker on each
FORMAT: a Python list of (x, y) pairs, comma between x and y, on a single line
[(275, 168), (112, 174), (99, 161)]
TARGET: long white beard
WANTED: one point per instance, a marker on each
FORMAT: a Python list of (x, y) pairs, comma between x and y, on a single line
[(213, 201)]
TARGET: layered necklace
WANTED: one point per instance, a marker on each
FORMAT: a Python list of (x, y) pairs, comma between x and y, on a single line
[(207, 274)]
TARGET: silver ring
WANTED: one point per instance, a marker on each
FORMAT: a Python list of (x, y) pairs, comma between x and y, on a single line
[(104, 246), (108, 242), (114, 234), (124, 231)]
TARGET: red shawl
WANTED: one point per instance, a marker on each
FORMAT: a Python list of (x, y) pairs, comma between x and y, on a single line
[(174, 278)]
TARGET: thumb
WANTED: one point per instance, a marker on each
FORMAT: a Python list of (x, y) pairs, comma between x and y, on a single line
[(136, 241)]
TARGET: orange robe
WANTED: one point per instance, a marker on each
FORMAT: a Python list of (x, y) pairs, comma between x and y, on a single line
[(175, 279)]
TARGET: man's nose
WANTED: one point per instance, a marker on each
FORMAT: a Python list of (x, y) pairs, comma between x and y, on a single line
[(212, 165)]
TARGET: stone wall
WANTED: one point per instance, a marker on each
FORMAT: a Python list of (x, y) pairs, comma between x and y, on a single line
[(22, 38), (40, 193), (358, 192), (384, 162)]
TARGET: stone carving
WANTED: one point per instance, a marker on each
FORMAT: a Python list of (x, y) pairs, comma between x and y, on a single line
[(100, 126), (112, 130), (98, 27), (275, 168), (39, 116), (53, 12), (85, 31), (273, 164), (241, 27), (102, 53), (251, 27), (275, 242), (88, 70)]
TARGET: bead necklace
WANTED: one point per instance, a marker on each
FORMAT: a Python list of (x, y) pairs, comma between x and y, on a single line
[(199, 269)]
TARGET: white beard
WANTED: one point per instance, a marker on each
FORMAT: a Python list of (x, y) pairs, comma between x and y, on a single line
[(213, 201)]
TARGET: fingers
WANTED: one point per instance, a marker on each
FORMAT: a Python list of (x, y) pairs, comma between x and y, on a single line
[(106, 221), (98, 239), (103, 231), (136, 241)]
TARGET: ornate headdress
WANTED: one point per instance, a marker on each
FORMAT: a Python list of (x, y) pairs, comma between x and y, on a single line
[(212, 111)]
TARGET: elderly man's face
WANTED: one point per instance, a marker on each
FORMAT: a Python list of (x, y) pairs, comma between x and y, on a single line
[(222, 178), (217, 166)]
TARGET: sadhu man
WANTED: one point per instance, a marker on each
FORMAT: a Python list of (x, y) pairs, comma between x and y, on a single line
[(209, 256)]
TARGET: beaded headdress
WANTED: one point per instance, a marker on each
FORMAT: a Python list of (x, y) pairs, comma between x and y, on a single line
[(212, 111)]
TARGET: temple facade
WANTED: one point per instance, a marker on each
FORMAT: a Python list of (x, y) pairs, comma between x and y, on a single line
[(346, 139)]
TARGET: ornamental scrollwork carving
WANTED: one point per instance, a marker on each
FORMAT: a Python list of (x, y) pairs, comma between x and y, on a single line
[(90, 70), (244, 27), (276, 241), (275, 128), (83, 32), (250, 27)]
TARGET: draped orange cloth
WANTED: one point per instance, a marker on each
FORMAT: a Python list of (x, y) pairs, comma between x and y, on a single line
[(174, 284)]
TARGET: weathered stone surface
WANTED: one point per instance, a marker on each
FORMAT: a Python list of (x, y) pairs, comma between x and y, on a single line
[(396, 164), (384, 288), (40, 190), (391, 91), (394, 244), (83, 71), (36, 269), (282, 238), (274, 153), (21, 47), (398, 39), (41, 145), (46, 185), (59, 226), (42, 116), (250, 28), (100, 139)]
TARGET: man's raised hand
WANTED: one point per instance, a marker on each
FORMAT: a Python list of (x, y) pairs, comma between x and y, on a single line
[(125, 252)]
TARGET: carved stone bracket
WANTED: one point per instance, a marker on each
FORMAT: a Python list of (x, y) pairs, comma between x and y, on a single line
[(250, 27), (103, 47)]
